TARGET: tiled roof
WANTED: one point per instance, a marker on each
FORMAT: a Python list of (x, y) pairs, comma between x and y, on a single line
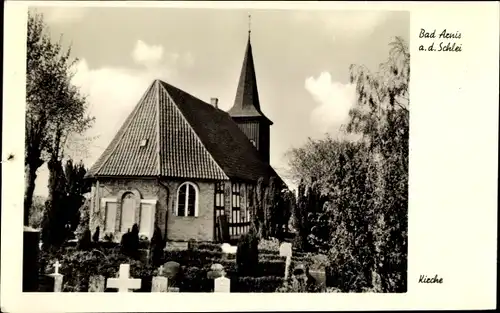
[(186, 138), (246, 102)]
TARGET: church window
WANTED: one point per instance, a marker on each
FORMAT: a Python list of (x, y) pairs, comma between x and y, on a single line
[(236, 205), (187, 200), (219, 199)]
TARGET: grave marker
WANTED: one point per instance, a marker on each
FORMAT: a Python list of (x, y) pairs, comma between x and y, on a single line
[(56, 266), (124, 283), (222, 284), (57, 277), (159, 283), (286, 251)]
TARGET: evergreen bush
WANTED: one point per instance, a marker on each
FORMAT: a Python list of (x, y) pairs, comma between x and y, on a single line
[(84, 242), (157, 247), (247, 254), (95, 237)]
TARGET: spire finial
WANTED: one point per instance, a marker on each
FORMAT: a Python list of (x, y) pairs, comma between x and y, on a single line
[(249, 24)]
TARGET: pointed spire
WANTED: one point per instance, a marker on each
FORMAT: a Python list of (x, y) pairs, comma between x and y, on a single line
[(249, 25), (246, 102)]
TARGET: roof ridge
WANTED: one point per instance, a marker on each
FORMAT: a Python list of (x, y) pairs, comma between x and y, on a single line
[(124, 128), (193, 96), (192, 128)]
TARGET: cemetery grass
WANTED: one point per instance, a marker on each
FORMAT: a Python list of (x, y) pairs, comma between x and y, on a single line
[(105, 258)]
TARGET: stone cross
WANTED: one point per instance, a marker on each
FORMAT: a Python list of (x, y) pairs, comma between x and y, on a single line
[(286, 251), (222, 284), (160, 270), (124, 283), (56, 267), (57, 277)]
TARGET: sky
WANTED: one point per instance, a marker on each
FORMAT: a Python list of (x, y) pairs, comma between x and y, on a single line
[(302, 61)]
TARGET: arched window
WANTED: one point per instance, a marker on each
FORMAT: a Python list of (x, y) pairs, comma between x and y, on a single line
[(187, 200)]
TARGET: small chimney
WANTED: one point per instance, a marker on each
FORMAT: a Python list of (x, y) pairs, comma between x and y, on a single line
[(214, 102)]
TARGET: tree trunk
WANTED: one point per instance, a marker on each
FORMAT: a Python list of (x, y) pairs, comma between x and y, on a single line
[(30, 178)]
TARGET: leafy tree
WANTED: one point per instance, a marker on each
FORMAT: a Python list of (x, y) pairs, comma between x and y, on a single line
[(54, 108), (357, 208), (381, 116)]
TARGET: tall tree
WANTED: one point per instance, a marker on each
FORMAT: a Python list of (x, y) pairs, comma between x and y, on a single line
[(76, 187), (363, 222), (381, 116), (54, 108)]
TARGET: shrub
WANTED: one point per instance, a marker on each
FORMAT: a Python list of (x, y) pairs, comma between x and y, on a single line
[(85, 243), (247, 255), (130, 242), (271, 244), (109, 237), (195, 280), (209, 246), (256, 284), (95, 237), (157, 246)]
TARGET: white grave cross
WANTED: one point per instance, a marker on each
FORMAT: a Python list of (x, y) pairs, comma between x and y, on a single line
[(160, 270), (56, 267), (124, 283)]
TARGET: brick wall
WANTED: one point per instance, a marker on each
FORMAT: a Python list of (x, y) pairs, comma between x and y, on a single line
[(200, 228), (113, 190)]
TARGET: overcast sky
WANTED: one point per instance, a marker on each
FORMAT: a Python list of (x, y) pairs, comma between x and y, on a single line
[(301, 58)]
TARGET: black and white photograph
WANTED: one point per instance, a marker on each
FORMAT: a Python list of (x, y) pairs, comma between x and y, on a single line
[(179, 150), (257, 156)]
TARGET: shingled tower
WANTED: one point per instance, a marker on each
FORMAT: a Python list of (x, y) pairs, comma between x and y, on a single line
[(246, 110)]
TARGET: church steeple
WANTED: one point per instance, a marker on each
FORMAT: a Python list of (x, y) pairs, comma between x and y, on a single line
[(246, 102), (246, 111)]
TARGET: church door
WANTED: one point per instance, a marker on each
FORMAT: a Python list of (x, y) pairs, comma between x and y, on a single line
[(128, 212)]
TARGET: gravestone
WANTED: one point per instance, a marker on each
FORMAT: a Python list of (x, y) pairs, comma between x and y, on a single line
[(124, 283), (97, 283), (224, 235), (56, 278), (160, 283), (286, 251), (222, 284), (31, 249), (171, 269), (319, 276)]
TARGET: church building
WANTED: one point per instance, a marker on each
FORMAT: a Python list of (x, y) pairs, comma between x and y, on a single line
[(179, 162)]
